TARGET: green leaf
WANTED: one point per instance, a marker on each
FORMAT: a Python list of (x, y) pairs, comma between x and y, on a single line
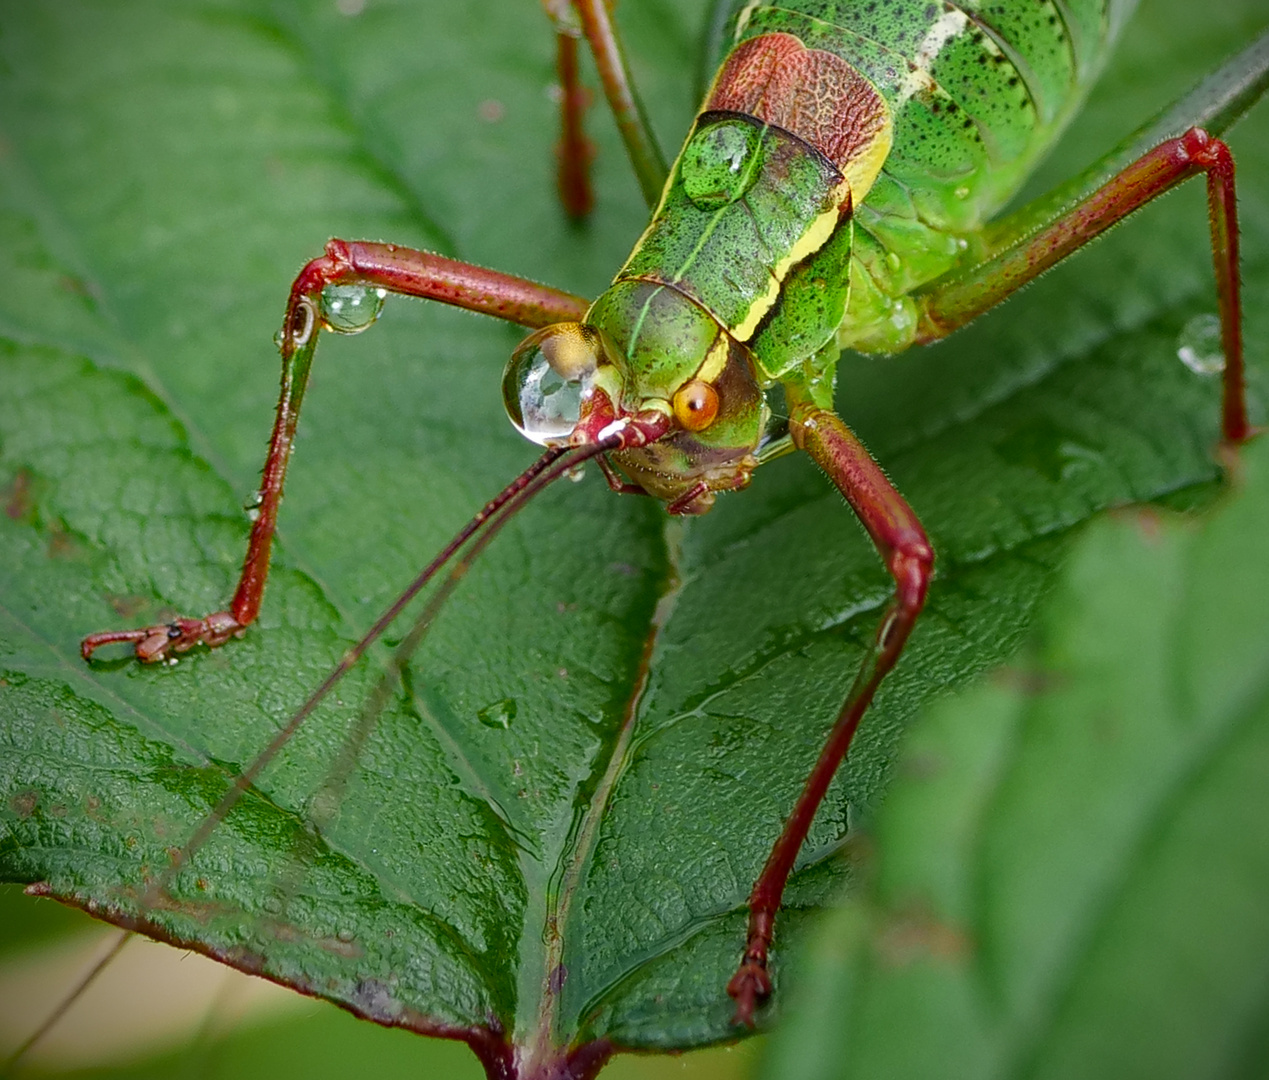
[(574, 867), (1072, 867)]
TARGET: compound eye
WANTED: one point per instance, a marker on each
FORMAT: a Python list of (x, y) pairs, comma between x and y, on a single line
[(695, 405)]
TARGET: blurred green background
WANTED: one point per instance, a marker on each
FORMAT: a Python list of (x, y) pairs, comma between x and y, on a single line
[(182, 1016)]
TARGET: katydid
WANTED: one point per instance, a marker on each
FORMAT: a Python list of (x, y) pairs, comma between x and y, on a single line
[(837, 190)]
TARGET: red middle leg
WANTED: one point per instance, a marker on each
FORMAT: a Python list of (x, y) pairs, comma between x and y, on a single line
[(903, 546)]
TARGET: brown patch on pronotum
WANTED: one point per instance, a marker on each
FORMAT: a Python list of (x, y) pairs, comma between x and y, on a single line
[(813, 94)]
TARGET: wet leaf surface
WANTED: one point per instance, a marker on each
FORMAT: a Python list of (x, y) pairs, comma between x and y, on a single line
[(553, 827), (1072, 867)]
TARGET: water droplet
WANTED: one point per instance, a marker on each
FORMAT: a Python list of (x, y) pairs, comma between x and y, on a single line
[(252, 506), (546, 380), (349, 309), (498, 715), (1199, 345), (1055, 453), (577, 473), (721, 163)]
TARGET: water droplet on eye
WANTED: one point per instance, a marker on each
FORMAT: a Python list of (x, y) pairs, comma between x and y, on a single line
[(546, 380), (1199, 345), (549, 405), (498, 715), (349, 309), (721, 163)]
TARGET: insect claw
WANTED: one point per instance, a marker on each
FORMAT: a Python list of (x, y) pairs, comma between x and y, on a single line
[(749, 988), (153, 643)]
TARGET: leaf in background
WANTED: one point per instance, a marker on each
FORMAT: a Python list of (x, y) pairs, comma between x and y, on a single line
[(552, 831), (1072, 866)]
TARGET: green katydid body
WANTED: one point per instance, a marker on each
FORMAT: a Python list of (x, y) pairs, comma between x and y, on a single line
[(833, 192), (847, 153)]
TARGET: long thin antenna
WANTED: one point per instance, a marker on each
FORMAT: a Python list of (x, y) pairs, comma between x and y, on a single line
[(483, 526), (326, 800), (64, 1006), (554, 463)]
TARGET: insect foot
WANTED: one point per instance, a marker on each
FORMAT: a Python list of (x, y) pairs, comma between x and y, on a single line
[(751, 985), (153, 643)]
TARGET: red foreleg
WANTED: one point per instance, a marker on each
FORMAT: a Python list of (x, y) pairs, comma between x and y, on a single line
[(384, 266), (903, 546)]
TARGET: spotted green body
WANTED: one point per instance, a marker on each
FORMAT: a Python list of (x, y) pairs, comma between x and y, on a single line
[(978, 91), (847, 153)]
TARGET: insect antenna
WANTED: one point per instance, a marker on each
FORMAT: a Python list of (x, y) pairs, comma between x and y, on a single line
[(9, 1064), (554, 463), (459, 554), (326, 800)]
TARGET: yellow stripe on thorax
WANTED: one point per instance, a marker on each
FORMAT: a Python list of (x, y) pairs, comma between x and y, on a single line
[(860, 174)]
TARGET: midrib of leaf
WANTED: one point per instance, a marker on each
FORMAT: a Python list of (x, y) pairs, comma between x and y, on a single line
[(827, 495), (542, 1034), (809, 862)]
